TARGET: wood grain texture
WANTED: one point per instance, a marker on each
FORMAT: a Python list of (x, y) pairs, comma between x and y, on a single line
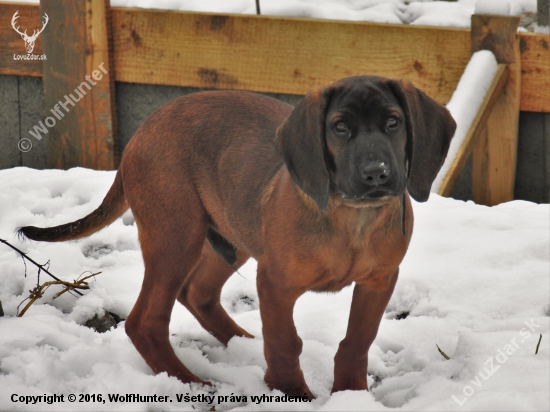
[(100, 45), (11, 42), (495, 153), (76, 45), (476, 130), (535, 72), (495, 33), (281, 55), (285, 55), (63, 72)]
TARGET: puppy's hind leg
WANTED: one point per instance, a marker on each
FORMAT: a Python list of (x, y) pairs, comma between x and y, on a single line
[(201, 293), (171, 244)]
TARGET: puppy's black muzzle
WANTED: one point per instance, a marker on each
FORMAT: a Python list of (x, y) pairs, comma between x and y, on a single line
[(377, 180), (374, 173), (373, 179), (377, 173)]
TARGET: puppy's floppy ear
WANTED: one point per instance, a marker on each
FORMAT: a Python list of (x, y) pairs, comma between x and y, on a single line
[(301, 142), (430, 128)]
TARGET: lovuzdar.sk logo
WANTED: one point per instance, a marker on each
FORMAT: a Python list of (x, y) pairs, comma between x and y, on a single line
[(29, 40)]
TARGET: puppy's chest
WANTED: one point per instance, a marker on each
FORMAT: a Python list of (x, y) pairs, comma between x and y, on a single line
[(348, 257)]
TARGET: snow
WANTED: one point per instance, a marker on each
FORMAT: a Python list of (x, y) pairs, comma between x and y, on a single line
[(497, 7), (447, 14), (475, 282), (466, 101), (472, 277), (542, 29), (421, 12)]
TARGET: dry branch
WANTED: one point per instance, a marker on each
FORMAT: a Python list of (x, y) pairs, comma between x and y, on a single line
[(39, 290), (41, 268), (442, 353), (538, 344)]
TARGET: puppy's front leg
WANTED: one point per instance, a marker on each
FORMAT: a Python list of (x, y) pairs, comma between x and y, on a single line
[(367, 308), (282, 345)]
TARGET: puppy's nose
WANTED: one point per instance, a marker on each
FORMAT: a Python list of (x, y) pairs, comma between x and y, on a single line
[(375, 173)]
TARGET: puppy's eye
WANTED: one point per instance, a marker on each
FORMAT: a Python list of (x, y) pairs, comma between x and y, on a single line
[(341, 128), (392, 123)]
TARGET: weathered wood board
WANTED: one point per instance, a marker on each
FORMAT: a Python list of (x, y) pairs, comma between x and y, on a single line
[(11, 43), (494, 157), (77, 86), (284, 55)]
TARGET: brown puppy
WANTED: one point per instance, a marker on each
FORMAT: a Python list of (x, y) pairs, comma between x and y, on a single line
[(315, 194)]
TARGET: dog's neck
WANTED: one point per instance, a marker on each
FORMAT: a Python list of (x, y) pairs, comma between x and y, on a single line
[(354, 216)]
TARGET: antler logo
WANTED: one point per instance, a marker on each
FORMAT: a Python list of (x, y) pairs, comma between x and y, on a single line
[(29, 40)]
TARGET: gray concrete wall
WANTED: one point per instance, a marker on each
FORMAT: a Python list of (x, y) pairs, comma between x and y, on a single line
[(22, 106), (136, 102)]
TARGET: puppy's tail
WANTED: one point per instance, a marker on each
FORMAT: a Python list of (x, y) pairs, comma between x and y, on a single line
[(112, 207)]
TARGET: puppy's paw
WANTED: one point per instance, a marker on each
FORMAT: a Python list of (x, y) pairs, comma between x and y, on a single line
[(290, 387)]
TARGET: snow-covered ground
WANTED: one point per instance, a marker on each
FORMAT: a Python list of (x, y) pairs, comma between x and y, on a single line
[(421, 12), (475, 282)]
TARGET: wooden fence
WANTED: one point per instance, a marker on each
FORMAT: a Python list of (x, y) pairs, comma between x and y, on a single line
[(280, 55), (221, 51)]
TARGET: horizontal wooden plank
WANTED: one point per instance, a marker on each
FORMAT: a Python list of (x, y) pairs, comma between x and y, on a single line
[(281, 55), (284, 55)]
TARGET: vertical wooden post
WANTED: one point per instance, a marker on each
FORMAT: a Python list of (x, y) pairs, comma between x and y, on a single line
[(494, 154), (78, 80)]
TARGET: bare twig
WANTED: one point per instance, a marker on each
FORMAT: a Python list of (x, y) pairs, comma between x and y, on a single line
[(538, 344), (442, 353), (39, 266), (39, 290)]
